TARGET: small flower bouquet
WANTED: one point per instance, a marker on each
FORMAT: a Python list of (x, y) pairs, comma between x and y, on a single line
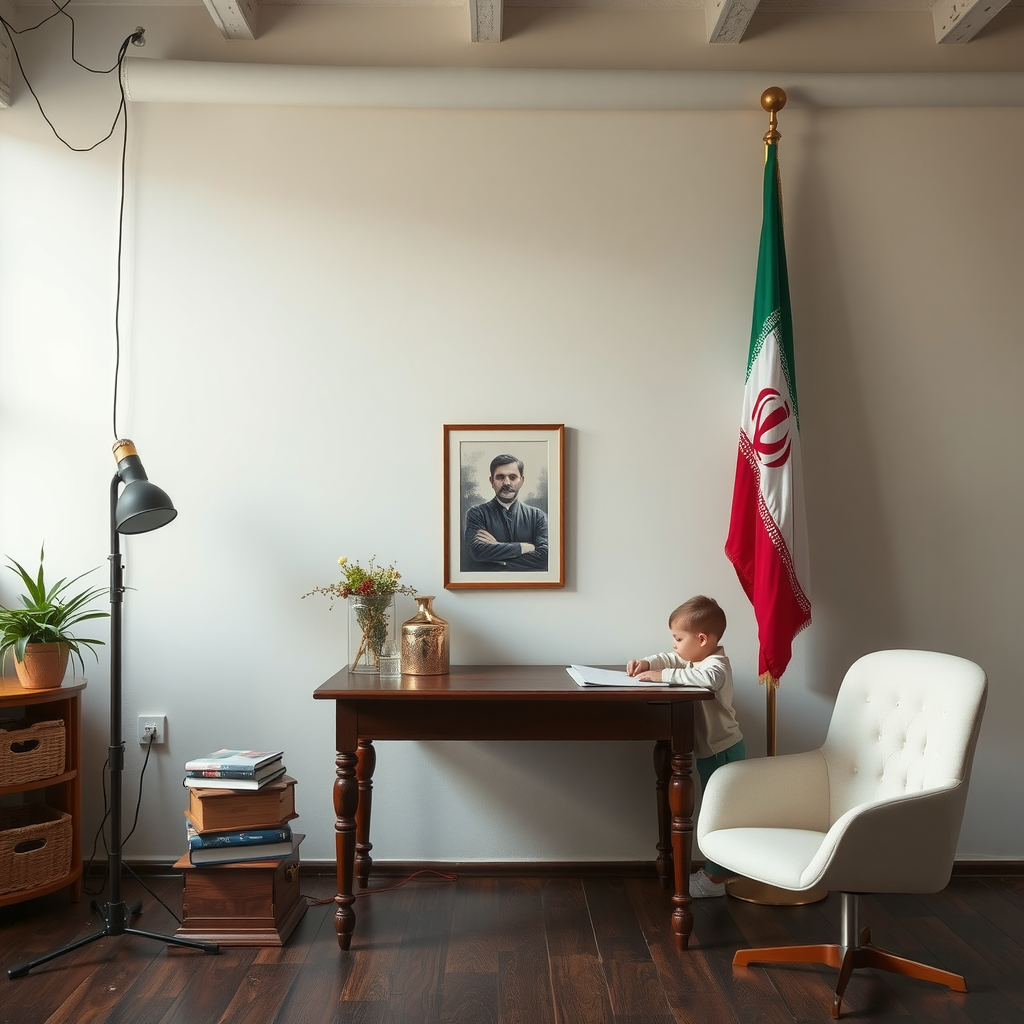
[(373, 590)]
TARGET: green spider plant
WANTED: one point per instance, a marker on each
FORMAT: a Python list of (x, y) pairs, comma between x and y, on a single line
[(47, 615)]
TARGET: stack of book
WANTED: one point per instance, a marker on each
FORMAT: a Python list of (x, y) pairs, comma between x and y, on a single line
[(234, 769), (240, 806)]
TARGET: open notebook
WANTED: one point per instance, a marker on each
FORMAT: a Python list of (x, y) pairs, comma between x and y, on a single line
[(586, 675)]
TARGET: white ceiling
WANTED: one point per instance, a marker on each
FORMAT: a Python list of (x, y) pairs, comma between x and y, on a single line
[(726, 21)]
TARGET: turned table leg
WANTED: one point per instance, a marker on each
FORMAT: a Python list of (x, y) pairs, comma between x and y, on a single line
[(681, 801), (367, 761), (346, 804), (662, 768)]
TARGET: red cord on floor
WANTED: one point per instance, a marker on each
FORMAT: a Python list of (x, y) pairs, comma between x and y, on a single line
[(386, 888)]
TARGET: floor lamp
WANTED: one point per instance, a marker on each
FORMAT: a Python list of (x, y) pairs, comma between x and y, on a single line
[(141, 507)]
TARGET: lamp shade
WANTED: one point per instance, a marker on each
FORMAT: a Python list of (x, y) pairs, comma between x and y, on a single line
[(141, 506)]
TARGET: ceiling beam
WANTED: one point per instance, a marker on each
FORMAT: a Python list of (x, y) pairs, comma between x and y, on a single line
[(959, 21), (727, 20), (235, 18), (485, 20)]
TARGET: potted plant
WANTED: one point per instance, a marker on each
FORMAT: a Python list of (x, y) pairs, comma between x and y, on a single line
[(39, 632)]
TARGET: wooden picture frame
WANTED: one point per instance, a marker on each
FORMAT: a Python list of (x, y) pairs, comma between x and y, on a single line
[(508, 510)]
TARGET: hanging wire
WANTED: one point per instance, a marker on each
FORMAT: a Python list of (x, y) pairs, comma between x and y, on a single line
[(136, 37)]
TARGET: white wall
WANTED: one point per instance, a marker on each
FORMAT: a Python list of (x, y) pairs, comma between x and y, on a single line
[(311, 294)]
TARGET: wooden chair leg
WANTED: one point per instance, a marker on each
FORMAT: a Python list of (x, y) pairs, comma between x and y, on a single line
[(829, 955), (845, 972), (863, 955), (883, 960)]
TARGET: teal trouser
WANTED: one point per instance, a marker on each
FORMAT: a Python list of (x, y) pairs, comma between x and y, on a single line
[(705, 767)]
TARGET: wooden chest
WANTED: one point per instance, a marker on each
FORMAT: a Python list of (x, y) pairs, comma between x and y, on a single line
[(252, 903)]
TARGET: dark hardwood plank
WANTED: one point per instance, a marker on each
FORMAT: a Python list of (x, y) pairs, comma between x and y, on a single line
[(521, 950), (473, 946), (525, 989), (419, 968), (524, 973), (634, 985), (579, 989), (470, 997)]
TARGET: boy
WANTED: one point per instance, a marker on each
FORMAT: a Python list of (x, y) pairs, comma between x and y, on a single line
[(697, 659)]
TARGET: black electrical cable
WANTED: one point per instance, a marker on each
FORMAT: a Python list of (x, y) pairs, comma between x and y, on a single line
[(135, 37), (12, 32), (122, 108)]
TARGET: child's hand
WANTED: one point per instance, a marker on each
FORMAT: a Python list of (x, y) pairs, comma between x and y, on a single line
[(634, 668), (650, 677)]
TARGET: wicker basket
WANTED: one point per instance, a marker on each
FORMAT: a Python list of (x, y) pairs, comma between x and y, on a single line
[(35, 846), (30, 749)]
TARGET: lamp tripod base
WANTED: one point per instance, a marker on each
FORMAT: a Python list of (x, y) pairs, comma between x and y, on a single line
[(114, 917)]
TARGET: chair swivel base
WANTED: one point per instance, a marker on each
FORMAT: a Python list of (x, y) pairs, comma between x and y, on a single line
[(862, 955)]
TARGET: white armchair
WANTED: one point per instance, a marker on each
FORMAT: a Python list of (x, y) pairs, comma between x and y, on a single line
[(877, 808)]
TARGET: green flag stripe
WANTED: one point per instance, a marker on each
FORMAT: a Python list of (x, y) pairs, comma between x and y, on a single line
[(771, 291)]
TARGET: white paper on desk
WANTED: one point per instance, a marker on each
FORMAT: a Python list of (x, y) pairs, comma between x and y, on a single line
[(586, 675)]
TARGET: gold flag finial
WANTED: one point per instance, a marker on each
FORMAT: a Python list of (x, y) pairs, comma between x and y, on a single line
[(773, 100)]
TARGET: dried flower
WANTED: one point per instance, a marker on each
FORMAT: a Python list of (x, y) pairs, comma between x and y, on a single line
[(373, 581), (374, 586)]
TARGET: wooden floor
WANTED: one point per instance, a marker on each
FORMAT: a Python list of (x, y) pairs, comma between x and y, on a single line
[(552, 950)]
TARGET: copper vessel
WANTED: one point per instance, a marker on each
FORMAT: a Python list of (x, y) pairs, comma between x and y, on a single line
[(425, 641)]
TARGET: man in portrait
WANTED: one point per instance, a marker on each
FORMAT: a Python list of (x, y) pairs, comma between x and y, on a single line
[(503, 534)]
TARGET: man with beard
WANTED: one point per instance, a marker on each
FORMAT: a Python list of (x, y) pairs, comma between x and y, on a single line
[(504, 535)]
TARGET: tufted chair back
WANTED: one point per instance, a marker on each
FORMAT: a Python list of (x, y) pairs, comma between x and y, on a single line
[(904, 722), (878, 807)]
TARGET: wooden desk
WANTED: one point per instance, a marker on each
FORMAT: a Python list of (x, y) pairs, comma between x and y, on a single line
[(491, 702)]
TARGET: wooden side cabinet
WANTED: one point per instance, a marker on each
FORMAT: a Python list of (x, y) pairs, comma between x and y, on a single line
[(62, 792)]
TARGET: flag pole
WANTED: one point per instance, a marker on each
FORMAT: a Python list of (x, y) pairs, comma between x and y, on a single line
[(773, 100)]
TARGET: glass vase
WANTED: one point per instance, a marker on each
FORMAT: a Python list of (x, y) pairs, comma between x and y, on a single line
[(371, 623)]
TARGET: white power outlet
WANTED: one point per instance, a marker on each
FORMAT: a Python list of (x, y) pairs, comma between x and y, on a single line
[(157, 723)]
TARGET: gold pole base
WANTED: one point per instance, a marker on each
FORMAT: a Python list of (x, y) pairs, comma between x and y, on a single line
[(749, 891)]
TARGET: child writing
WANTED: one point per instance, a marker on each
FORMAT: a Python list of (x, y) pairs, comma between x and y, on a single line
[(697, 659)]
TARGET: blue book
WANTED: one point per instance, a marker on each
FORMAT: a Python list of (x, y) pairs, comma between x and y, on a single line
[(243, 837), (233, 847)]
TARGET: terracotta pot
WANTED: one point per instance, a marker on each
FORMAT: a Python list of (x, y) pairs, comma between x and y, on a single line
[(43, 667)]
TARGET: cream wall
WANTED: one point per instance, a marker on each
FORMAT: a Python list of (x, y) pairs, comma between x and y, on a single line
[(310, 295)]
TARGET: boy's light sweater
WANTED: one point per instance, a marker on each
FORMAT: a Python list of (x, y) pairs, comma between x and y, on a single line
[(715, 725)]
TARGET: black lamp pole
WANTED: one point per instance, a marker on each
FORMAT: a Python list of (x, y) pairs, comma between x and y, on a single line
[(141, 507)]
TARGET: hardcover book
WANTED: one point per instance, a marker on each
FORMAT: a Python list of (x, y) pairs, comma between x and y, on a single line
[(273, 768), (240, 837), (233, 760), (227, 809), (240, 854), (208, 782)]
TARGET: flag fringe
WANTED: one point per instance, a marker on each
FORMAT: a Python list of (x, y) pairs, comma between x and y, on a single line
[(768, 678)]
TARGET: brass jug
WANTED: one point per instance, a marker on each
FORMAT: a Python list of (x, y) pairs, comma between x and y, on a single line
[(425, 641)]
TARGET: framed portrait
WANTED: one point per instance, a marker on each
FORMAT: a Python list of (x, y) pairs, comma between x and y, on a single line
[(504, 493)]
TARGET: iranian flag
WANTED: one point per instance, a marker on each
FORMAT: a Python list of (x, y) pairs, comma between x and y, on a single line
[(767, 541)]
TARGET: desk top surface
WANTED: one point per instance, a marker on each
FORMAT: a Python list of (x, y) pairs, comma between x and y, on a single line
[(496, 682)]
